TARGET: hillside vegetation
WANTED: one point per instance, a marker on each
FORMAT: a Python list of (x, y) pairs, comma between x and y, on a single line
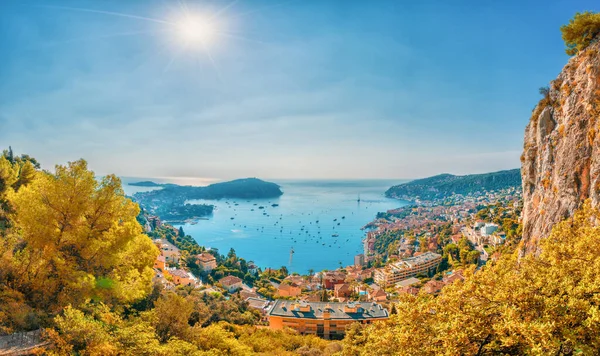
[(76, 264), (533, 305), (445, 185)]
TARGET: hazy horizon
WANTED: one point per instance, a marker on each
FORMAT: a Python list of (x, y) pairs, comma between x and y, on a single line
[(277, 90)]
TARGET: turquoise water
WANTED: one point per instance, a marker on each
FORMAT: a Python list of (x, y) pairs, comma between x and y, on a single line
[(308, 214)]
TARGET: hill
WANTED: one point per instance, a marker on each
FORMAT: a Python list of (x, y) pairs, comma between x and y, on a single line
[(169, 203), (444, 185), (145, 183)]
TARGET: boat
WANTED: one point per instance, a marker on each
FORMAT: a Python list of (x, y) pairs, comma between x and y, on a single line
[(335, 235), (274, 205)]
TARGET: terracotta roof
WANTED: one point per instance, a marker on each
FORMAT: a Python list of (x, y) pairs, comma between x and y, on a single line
[(379, 293), (287, 287), (341, 287), (205, 257), (229, 280)]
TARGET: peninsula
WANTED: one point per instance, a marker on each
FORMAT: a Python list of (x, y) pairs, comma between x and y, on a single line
[(169, 203), (445, 185)]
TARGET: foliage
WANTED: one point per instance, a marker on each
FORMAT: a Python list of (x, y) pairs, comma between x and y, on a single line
[(73, 238), (445, 185), (185, 242), (581, 31), (531, 305)]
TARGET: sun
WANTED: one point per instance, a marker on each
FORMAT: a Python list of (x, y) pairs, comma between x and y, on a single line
[(196, 30)]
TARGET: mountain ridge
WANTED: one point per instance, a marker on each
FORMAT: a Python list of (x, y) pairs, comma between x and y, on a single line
[(444, 185)]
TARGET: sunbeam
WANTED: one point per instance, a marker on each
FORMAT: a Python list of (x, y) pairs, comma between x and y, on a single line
[(110, 13)]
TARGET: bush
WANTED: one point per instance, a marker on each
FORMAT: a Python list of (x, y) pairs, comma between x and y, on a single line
[(581, 31)]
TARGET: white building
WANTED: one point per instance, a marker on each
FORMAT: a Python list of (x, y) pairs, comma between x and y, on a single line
[(488, 229)]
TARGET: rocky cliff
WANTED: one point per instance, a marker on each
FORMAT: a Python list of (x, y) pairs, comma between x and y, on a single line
[(561, 155)]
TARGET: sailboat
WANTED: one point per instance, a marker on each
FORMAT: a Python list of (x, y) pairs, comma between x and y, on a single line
[(358, 200)]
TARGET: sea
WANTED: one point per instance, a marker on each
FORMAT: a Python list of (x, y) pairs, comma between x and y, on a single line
[(314, 225)]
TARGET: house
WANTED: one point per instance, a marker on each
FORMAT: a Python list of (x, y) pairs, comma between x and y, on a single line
[(366, 273), (455, 276), (324, 319), (248, 293), (377, 295), (259, 304), (252, 268), (409, 289), (332, 278), (160, 263), (207, 261), (181, 277), (289, 290), (167, 249), (231, 283), (342, 290), (433, 287)]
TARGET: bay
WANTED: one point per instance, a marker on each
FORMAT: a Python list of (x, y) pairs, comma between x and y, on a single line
[(305, 219)]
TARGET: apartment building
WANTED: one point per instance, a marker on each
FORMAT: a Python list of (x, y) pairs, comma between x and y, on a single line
[(326, 320), (406, 268)]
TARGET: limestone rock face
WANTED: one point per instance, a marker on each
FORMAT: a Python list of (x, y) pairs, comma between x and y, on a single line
[(561, 155)]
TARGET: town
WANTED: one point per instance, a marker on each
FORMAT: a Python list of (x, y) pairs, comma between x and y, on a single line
[(414, 249)]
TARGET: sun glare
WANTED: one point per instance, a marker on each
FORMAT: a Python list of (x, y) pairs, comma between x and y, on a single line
[(196, 30)]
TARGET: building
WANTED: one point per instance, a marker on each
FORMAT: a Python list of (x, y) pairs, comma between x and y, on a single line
[(488, 229), (433, 287), (326, 320), (207, 261), (262, 305), (252, 268), (288, 290), (359, 260), (407, 282), (167, 249), (231, 283), (181, 277), (342, 290), (377, 295), (395, 272), (332, 278), (160, 263)]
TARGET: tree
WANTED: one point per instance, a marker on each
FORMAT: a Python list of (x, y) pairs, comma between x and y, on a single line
[(10, 155), (80, 240), (581, 31), (27, 174), (546, 304), (181, 232), (172, 313)]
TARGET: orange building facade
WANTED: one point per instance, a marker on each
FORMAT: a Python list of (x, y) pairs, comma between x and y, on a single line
[(326, 320)]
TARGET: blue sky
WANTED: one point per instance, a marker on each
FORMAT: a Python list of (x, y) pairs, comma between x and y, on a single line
[(285, 89)]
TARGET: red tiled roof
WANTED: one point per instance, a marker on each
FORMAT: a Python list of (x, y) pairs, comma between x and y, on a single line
[(205, 257), (229, 280)]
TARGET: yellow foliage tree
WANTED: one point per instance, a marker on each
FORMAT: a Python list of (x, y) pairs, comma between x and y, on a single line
[(581, 30), (79, 239), (531, 305)]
